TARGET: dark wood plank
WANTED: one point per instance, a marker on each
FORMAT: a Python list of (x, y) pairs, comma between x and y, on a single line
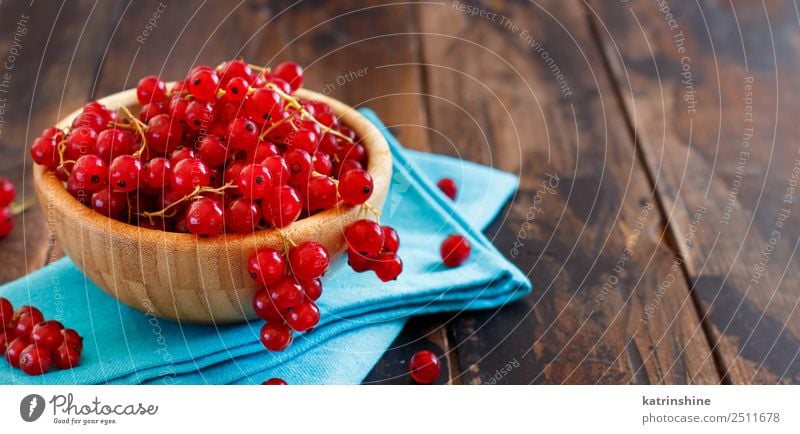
[(592, 241), (708, 89), (54, 64)]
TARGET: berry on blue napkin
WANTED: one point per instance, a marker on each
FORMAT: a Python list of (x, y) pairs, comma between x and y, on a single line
[(360, 315)]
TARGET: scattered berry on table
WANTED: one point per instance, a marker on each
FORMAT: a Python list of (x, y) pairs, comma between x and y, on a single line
[(424, 367), (455, 250), (448, 187), (275, 382)]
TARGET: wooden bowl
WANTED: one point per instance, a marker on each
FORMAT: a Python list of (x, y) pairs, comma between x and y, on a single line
[(179, 276)]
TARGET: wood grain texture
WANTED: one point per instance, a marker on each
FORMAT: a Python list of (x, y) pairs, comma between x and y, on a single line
[(709, 90), (55, 49), (536, 100)]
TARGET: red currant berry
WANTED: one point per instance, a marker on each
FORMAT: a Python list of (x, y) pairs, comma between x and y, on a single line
[(164, 132), (236, 90), (24, 326), (312, 289), (113, 142), (14, 350), (203, 84), (242, 133), (352, 152), (355, 187), (276, 336), (109, 203), (67, 356), (189, 174), (199, 114), (281, 84), (329, 144), (232, 171), (278, 170), (303, 317), (158, 173), (391, 240), (235, 69), (448, 187), (6, 222), (242, 216), (261, 152), (35, 360), (6, 336), (264, 105), (286, 294), (266, 266), (321, 193), (424, 367), (282, 206), (81, 141), (72, 337), (212, 151), (254, 182), (455, 250), (359, 262), (47, 334), (6, 313), (53, 133), (149, 111), (150, 89), (322, 163), (365, 237), (45, 152), (309, 260), (265, 308), (290, 72), (303, 139), (125, 173), (28, 310), (204, 217), (299, 163), (91, 171), (275, 382), (181, 153), (346, 166), (388, 266), (7, 192)]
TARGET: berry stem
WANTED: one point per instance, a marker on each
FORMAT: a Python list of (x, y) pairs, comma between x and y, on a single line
[(196, 192), (305, 114), (374, 211), (20, 207), (140, 126)]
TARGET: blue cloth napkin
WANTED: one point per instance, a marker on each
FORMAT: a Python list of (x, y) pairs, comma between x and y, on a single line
[(360, 315)]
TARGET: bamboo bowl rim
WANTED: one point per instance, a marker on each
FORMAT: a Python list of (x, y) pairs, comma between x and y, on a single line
[(379, 167)]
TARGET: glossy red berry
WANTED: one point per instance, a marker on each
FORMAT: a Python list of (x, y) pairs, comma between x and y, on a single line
[(25, 324), (112, 143), (359, 262), (365, 237), (28, 310), (355, 187), (266, 266), (286, 293), (6, 313), (150, 89), (321, 193), (424, 367), (264, 105), (189, 174), (109, 203), (236, 89), (312, 289), (455, 250), (275, 382), (72, 337), (164, 133), (309, 260), (45, 152), (125, 173), (448, 187), (6, 222), (303, 317), (303, 139), (276, 336), (67, 356), (278, 170), (387, 266), (199, 115), (265, 308), (181, 153), (282, 206), (235, 69), (7, 192), (391, 239), (255, 181), (212, 151), (81, 141), (14, 350), (290, 72), (90, 170), (299, 163), (242, 133), (204, 217), (6, 336), (203, 84), (158, 173), (47, 334), (242, 216), (35, 360)]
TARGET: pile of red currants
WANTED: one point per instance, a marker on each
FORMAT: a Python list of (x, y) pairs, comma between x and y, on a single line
[(7, 193), (34, 345)]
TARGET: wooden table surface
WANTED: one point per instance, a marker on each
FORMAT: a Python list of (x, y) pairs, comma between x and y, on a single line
[(656, 147)]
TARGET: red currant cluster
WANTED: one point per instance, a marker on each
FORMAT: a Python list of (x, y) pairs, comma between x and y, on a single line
[(7, 194), (228, 149), (34, 345)]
